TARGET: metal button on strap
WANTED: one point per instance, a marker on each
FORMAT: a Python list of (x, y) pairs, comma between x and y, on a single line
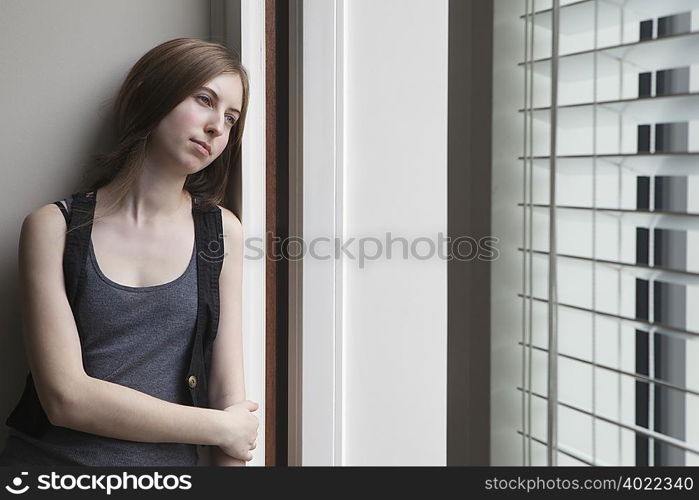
[(192, 381)]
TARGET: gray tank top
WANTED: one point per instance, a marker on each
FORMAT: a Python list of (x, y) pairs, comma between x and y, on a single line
[(139, 337)]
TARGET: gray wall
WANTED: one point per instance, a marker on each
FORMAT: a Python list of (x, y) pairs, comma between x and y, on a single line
[(61, 64)]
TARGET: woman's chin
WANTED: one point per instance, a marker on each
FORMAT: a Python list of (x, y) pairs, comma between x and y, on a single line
[(193, 168)]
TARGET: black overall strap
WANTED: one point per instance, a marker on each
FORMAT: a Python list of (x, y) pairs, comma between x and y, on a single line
[(208, 228), (65, 209), (77, 245)]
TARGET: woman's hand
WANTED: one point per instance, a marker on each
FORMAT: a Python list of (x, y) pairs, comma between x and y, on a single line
[(242, 430)]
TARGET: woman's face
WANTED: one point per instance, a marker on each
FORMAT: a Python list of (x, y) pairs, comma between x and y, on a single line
[(206, 117)]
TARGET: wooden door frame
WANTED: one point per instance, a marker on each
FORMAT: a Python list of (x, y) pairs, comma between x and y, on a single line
[(277, 229)]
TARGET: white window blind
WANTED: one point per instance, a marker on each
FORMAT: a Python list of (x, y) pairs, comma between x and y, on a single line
[(610, 232)]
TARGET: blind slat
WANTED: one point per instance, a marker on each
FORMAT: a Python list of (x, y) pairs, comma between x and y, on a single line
[(653, 327), (641, 271), (582, 9), (675, 107), (561, 448), (635, 428), (661, 219), (669, 51), (636, 376)]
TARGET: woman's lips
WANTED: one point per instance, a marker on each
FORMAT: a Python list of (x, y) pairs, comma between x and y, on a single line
[(200, 148)]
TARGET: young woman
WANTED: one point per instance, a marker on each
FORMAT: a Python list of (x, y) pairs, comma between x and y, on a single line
[(131, 289)]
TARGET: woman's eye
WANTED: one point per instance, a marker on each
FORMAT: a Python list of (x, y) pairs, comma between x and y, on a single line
[(208, 103)]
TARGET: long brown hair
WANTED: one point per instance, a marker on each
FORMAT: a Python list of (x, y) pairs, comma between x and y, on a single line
[(159, 81)]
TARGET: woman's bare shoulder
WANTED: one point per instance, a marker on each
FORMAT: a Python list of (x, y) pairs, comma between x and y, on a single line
[(233, 234), (229, 218), (232, 227), (47, 216), (44, 230)]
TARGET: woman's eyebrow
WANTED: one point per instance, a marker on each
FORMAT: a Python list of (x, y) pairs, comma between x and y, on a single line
[(218, 99)]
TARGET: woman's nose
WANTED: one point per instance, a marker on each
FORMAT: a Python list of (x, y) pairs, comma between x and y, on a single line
[(216, 126)]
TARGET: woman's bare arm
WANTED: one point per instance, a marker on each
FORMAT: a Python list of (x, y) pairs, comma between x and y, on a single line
[(117, 411), (70, 397), (226, 381)]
